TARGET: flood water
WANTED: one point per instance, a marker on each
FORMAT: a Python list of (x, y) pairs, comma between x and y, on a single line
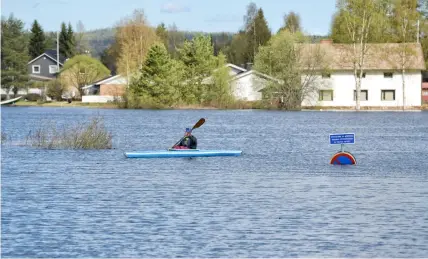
[(281, 198)]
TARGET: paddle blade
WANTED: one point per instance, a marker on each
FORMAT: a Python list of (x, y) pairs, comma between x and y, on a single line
[(199, 123)]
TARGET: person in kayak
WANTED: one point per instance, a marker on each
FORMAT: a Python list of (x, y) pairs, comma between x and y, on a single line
[(188, 142)]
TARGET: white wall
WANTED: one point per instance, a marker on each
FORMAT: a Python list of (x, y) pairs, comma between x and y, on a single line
[(97, 98), (247, 87), (343, 86)]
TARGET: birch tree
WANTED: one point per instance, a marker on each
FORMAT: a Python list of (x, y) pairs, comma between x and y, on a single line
[(404, 22), (134, 37), (358, 17), (294, 67)]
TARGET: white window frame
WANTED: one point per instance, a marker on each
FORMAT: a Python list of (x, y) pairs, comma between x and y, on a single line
[(34, 66), (320, 95), (387, 90), (54, 67), (362, 90)]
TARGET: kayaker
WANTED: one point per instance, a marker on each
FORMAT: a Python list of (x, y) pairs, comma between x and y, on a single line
[(188, 142)]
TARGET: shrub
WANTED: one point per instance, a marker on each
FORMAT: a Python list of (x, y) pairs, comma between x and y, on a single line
[(33, 97), (55, 89), (92, 135)]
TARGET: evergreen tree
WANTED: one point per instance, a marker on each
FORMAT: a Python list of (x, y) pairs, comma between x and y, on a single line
[(162, 33), (71, 41), (37, 41), (236, 51), (158, 79), (198, 57), (257, 35), (14, 55), (63, 41)]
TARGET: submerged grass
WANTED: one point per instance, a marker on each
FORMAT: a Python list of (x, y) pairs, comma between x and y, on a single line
[(92, 135), (3, 137)]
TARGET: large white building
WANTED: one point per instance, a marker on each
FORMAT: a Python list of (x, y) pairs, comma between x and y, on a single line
[(334, 85)]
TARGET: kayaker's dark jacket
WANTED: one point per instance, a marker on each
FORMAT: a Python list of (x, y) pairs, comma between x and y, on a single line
[(189, 141)]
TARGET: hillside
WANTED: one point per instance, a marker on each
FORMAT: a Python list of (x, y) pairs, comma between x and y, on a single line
[(101, 39)]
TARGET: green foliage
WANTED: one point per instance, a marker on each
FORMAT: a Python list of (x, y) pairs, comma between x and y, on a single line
[(219, 93), (198, 78), (37, 41), (71, 41), (92, 135), (291, 23), (14, 55), (404, 19), (362, 19), (198, 57), (258, 35), (162, 33), (287, 62), (82, 70), (55, 89), (159, 77), (50, 40), (237, 51), (67, 44)]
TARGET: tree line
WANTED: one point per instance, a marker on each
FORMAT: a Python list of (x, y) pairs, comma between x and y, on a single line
[(144, 53)]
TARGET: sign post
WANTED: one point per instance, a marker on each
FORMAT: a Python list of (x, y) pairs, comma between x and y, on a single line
[(342, 157)]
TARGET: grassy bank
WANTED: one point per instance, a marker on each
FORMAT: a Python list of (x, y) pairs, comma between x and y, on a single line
[(66, 104), (233, 106)]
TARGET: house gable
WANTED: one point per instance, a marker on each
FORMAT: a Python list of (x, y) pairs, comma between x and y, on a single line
[(43, 66)]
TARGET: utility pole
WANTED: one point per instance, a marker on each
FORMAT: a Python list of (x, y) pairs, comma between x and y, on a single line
[(57, 51)]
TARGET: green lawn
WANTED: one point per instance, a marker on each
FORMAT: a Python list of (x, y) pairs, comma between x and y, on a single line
[(66, 104)]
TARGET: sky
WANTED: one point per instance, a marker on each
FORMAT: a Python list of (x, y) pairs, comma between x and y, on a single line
[(192, 15)]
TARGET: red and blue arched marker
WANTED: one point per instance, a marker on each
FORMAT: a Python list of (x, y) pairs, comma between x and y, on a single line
[(343, 158)]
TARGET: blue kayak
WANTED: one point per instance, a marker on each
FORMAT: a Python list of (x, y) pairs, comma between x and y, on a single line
[(182, 153)]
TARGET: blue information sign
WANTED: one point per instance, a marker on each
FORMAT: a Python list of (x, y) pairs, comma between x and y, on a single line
[(346, 138)]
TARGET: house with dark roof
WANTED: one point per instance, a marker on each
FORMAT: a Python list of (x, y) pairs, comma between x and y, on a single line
[(44, 67)]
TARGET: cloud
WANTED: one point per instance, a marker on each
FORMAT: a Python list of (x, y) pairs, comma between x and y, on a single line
[(172, 7)]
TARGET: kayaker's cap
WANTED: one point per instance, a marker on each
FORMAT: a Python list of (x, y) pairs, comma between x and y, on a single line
[(188, 130)]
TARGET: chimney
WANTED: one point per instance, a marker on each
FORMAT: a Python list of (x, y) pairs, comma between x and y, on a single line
[(326, 41), (249, 66)]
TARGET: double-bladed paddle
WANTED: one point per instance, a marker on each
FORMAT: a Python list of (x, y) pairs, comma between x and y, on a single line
[(197, 125)]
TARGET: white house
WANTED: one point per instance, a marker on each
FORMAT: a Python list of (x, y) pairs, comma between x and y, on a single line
[(247, 86), (381, 85)]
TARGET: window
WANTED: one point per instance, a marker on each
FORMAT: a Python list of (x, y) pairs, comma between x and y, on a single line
[(387, 75), (326, 95), (425, 93), (53, 69), (364, 74), (388, 95), (364, 95), (82, 70), (36, 69), (325, 75)]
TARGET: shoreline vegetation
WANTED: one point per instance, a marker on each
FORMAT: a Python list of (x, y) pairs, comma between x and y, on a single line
[(91, 134), (234, 106)]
